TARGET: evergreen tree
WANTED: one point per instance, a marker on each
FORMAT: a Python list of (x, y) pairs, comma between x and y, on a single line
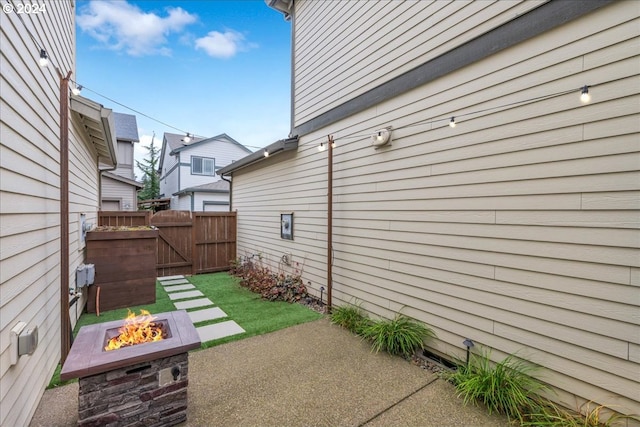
[(150, 176)]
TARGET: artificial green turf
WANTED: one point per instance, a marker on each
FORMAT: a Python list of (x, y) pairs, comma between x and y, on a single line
[(255, 315)]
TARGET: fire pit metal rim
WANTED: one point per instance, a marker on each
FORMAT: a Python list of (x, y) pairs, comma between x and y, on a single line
[(88, 358)]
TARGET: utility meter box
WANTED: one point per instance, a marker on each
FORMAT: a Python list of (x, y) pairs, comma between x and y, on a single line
[(81, 276), (85, 275)]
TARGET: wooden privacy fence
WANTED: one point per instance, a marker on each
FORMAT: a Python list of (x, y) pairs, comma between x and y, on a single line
[(188, 242)]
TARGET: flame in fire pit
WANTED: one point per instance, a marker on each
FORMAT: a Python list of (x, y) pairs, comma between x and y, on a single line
[(136, 330)]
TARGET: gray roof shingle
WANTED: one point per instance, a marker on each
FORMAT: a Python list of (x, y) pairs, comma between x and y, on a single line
[(126, 127)]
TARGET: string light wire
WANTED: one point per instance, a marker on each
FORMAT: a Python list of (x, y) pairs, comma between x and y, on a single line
[(453, 120)]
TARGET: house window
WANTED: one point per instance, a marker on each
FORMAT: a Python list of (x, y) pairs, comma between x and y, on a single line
[(202, 166)]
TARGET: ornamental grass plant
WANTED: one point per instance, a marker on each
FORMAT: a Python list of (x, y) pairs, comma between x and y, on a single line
[(505, 387), (548, 414), (350, 317), (399, 336)]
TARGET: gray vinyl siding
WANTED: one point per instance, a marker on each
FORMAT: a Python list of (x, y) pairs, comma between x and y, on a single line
[(30, 199), (518, 229)]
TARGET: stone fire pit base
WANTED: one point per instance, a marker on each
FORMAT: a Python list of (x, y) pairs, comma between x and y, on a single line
[(150, 393)]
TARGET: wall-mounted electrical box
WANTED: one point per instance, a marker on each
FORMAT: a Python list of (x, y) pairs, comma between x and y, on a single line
[(83, 227), (286, 226), (85, 275), (22, 340)]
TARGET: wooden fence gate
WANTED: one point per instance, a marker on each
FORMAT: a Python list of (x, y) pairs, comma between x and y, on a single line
[(188, 242)]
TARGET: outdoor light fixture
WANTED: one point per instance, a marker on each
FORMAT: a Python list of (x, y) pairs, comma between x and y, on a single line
[(452, 123), (381, 137), (76, 90), (322, 147), (266, 153), (187, 139), (584, 96), (44, 59)]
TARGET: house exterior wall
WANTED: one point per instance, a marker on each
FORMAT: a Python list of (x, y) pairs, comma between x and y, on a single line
[(177, 176), (125, 160), (125, 193), (517, 229), (30, 200), (224, 152), (330, 69), (211, 202)]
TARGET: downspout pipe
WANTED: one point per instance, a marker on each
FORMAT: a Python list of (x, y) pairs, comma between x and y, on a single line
[(65, 321), (329, 223), (230, 192)]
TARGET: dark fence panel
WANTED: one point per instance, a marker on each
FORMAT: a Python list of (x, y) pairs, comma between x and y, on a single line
[(188, 242)]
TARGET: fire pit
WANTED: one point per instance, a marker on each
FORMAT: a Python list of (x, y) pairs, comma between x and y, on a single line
[(142, 384)]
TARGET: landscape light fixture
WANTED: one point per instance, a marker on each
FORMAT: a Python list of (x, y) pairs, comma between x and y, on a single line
[(44, 59), (584, 96), (452, 123), (187, 139), (468, 343)]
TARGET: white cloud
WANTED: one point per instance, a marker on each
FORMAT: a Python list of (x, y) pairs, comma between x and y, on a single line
[(122, 26), (222, 45)]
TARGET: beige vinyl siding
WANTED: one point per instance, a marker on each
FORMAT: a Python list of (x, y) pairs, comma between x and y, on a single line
[(30, 199), (384, 39), (116, 190), (517, 229)]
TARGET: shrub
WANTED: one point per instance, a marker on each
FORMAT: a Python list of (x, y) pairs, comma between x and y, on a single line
[(505, 387), (399, 336), (350, 317), (286, 288), (270, 286)]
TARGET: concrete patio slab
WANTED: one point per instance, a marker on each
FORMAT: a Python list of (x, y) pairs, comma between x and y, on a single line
[(219, 330), (314, 374), (183, 305), (206, 314), (175, 288), (185, 295)]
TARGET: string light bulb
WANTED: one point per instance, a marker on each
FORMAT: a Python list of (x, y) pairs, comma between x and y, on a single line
[(76, 90), (187, 139), (585, 97), (44, 59), (266, 153), (452, 122), (322, 147)]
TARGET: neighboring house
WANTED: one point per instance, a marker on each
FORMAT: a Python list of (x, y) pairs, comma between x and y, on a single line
[(119, 189), (518, 228), (188, 171), (49, 187)]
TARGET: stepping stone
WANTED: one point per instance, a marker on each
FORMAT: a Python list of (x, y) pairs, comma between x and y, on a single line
[(218, 330), (174, 282), (206, 314), (179, 287), (183, 305), (185, 295), (180, 276)]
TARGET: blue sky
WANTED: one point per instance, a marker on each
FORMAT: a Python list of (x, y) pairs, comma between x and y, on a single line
[(205, 67)]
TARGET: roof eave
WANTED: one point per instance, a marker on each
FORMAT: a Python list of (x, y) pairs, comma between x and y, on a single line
[(274, 149), (99, 125)]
